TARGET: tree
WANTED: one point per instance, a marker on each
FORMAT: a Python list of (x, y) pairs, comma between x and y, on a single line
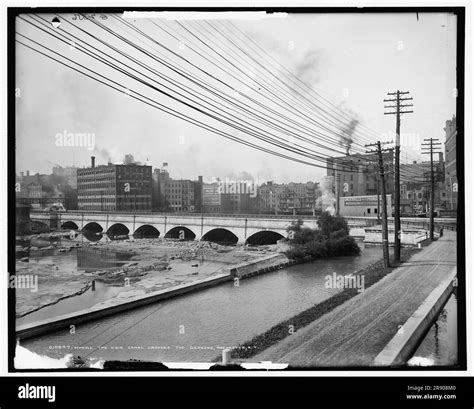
[(331, 239), (330, 224), (294, 228)]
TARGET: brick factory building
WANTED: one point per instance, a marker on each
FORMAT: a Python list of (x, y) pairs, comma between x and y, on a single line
[(451, 167), (357, 175), (114, 187)]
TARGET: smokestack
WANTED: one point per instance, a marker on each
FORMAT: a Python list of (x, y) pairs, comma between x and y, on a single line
[(92, 161), (27, 173)]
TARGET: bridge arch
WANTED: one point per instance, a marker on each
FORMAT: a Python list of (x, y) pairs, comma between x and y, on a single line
[(93, 227), (146, 231), (264, 237), (221, 236), (180, 232), (69, 225), (92, 231), (118, 229)]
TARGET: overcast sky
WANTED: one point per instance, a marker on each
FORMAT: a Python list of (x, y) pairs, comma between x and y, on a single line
[(351, 59)]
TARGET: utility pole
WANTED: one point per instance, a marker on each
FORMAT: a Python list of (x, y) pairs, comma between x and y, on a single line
[(386, 256), (428, 148), (378, 195), (336, 181), (398, 110), (451, 190)]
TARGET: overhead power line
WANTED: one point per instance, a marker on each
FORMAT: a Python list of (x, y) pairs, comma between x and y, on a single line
[(264, 123)]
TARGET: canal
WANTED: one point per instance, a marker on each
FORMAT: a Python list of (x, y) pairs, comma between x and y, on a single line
[(197, 326), (440, 345)]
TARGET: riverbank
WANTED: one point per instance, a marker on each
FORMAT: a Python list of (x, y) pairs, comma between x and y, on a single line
[(372, 274)]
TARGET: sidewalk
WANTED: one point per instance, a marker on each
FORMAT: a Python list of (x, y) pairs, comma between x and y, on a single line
[(354, 333)]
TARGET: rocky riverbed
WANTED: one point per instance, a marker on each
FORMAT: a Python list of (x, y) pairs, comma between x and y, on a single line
[(64, 269)]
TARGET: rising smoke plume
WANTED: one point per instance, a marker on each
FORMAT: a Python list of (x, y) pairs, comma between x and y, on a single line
[(307, 70), (327, 201), (347, 134)]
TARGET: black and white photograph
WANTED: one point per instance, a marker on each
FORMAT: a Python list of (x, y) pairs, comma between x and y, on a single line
[(237, 189)]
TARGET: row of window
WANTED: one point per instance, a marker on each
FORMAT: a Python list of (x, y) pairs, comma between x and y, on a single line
[(133, 169), (420, 195), (96, 190), (100, 171), (91, 178), (120, 199)]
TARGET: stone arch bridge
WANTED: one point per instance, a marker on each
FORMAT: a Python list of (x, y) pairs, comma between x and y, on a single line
[(201, 226), (242, 228)]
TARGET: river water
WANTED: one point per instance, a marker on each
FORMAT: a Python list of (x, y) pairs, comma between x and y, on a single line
[(197, 326), (440, 345)]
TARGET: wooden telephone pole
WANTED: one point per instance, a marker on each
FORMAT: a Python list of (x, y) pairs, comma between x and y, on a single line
[(428, 148), (398, 110), (386, 256)]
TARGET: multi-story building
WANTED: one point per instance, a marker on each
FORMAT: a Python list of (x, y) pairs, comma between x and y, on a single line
[(451, 179), (297, 197), (358, 175), (42, 191), (227, 196), (238, 203), (288, 198), (415, 186), (180, 195), (267, 197), (160, 178), (176, 195), (211, 198), (114, 187)]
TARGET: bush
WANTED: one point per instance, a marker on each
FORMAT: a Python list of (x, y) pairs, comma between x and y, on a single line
[(332, 239), (296, 253), (329, 224), (306, 235), (338, 234), (344, 246), (317, 249)]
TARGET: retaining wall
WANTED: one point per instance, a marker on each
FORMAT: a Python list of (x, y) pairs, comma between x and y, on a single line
[(260, 266), (80, 317), (404, 343)]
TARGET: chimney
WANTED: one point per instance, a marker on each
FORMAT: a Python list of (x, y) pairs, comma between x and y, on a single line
[(22, 174), (27, 173), (92, 161)]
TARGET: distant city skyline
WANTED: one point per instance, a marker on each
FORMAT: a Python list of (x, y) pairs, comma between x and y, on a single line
[(240, 176)]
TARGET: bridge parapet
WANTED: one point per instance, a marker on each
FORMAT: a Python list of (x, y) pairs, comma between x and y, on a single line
[(243, 226)]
